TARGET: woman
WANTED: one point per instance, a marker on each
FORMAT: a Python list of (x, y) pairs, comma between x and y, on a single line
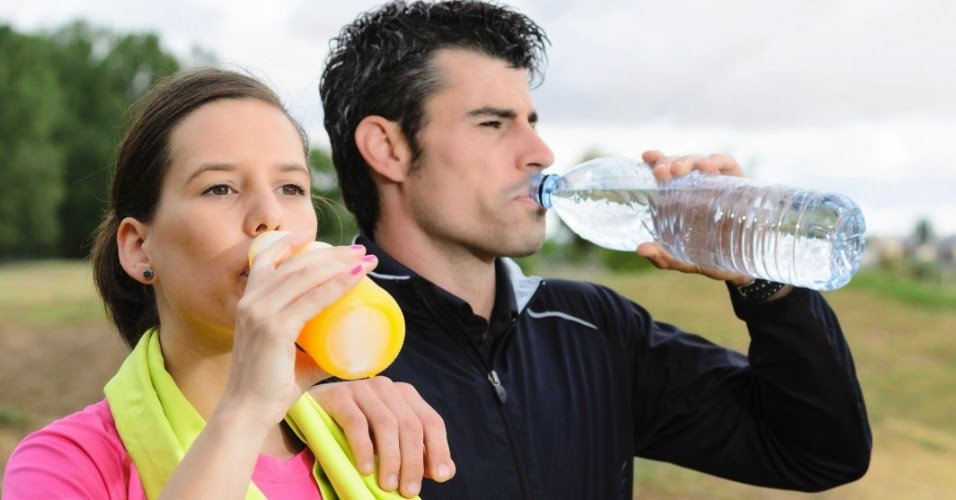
[(210, 402)]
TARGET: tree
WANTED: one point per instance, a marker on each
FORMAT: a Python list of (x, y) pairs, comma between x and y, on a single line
[(30, 177), (101, 74), (923, 233), (336, 223)]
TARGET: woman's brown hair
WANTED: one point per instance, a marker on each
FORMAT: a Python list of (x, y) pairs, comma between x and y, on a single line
[(142, 159)]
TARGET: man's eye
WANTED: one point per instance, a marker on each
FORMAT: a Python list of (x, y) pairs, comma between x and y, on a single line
[(293, 190), (491, 124), (218, 190)]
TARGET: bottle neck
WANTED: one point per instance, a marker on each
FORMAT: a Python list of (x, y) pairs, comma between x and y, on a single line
[(541, 188)]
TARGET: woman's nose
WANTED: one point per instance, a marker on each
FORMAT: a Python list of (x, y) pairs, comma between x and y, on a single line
[(264, 213)]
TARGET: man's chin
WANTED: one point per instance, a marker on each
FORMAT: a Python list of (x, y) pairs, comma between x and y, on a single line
[(525, 248)]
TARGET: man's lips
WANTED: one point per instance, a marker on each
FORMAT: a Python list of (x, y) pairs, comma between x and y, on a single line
[(526, 198)]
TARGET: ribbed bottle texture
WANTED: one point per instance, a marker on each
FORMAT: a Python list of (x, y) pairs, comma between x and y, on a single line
[(780, 233)]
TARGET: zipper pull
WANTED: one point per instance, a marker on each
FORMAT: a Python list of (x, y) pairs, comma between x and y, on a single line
[(499, 389)]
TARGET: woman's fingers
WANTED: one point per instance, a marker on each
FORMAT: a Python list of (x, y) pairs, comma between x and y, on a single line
[(278, 301), (304, 285)]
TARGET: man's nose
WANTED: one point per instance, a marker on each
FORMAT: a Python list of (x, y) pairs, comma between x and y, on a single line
[(537, 153)]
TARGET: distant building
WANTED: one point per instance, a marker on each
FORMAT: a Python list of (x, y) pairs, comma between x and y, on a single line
[(947, 251), (887, 252)]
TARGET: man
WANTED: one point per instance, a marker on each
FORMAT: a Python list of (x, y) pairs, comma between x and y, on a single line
[(550, 388)]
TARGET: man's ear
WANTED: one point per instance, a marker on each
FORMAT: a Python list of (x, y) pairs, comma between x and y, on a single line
[(130, 242), (384, 147)]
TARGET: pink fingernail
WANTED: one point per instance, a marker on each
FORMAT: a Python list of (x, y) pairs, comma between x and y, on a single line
[(369, 258), (357, 247), (356, 270)]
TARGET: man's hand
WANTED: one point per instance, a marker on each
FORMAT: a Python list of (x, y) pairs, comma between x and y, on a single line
[(666, 167), (409, 436)]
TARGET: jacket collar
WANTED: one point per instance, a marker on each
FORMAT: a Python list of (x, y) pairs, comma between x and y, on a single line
[(513, 289)]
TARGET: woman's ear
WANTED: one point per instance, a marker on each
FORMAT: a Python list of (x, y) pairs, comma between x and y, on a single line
[(383, 146), (130, 239)]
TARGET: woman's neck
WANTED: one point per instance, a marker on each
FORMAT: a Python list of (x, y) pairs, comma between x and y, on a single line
[(201, 369)]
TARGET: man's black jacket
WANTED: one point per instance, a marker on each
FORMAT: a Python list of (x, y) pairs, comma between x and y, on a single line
[(573, 381)]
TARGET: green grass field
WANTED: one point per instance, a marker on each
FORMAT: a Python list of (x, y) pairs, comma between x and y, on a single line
[(901, 333)]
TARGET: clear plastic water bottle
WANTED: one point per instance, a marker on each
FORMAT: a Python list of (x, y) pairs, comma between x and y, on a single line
[(784, 234)]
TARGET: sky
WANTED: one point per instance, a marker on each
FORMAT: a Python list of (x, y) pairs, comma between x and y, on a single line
[(849, 96)]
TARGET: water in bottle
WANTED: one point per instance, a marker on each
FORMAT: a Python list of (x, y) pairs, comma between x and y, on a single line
[(779, 233)]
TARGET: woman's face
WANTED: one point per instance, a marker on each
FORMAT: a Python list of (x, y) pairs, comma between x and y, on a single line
[(237, 169)]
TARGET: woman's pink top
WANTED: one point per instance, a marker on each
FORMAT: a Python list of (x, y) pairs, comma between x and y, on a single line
[(82, 456)]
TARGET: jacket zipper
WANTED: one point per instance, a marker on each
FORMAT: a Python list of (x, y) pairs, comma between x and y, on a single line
[(499, 389), (501, 394)]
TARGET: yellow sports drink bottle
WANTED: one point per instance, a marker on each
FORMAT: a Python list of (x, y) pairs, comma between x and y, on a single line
[(359, 335)]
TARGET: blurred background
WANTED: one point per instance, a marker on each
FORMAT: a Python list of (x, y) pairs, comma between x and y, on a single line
[(847, 96)]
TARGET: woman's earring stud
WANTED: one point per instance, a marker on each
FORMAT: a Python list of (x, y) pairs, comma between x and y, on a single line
[(148, 274)]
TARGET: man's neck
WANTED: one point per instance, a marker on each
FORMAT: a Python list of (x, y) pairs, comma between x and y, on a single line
[(451, 267)]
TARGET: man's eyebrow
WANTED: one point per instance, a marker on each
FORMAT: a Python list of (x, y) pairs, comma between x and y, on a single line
[(493, 111), (501, 113)]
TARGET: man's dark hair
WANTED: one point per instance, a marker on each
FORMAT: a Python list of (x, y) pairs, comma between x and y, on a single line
[(381, 64)]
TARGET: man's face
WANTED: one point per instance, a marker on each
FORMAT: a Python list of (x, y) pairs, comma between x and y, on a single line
[(480, 149)]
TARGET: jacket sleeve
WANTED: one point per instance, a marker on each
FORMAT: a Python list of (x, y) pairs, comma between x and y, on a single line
[(788, 415)]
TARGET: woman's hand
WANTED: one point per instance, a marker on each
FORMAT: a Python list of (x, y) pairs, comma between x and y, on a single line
[(268, 374)]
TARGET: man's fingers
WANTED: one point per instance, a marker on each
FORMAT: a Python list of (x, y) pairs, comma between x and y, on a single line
[(650, 251), (685, 164), (726, 164), (385, 429), (411, 461), (666, 167), (661, 258), (355, 425), (651, 157), (340, 405), (438, 463), (406, 433)]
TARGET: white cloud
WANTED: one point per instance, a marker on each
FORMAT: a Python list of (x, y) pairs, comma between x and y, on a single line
[(750, 63), (852, 96)]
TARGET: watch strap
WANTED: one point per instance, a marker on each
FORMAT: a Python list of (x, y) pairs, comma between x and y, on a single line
[(759, 290)]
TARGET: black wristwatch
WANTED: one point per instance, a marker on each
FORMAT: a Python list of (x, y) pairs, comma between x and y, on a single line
[(759, 290)]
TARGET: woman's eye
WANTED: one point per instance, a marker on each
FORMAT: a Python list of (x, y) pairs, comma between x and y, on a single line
[(218, 190), (491, 124), (292, 190)]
